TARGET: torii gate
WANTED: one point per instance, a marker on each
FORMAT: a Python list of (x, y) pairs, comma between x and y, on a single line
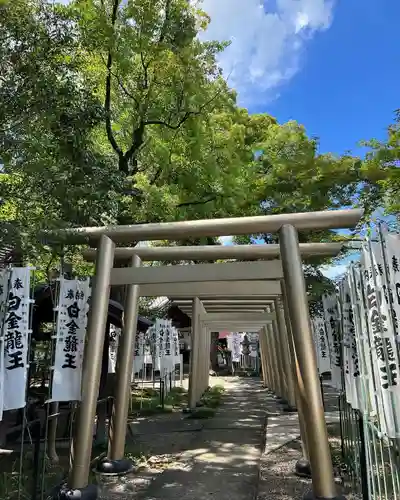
[(294, 297)]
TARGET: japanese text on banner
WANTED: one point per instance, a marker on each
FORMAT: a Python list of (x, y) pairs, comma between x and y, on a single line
[(384, 354), (16, 339), (4, 283), (70, 340), (331, 317)]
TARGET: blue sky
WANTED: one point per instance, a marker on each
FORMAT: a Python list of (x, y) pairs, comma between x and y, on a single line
[(348, 86), (332, 66)]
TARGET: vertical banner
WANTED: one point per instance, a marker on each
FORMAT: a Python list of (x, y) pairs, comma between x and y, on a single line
[(253, 346), (16, 339), (350, 354), (384, 352), (154, 337), (366, 385), (147, 348), (161, 340), (115, 334), (321, 345), (168, 340), (391, 243), (169, 354), (236, 347), (331, 318), (4, 283), (72, 318), (176, 346), (138, 358)]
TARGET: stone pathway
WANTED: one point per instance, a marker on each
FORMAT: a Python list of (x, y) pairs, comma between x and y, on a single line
[(221, 456), (216, 458)]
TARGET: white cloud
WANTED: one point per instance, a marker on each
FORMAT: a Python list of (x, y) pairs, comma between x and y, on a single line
[(333, 272), (267, 39)]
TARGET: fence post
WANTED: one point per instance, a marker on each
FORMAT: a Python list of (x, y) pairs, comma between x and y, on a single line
[(162, 394), (322, 391), (341, 426), (181, 370), (363, 458), (36, 431)]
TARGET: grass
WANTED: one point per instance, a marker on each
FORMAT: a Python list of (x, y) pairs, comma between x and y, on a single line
[(17, 471), (143, 402), (209, 402), (146, 402), (335, 445)]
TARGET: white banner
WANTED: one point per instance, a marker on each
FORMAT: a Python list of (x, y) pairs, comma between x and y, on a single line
[(331, 317), (115, 334), (154, 339), (4, 283), (167, 358), (164, 345), (138, 358), (176, 346), (384, 352), (350, 354), (321, 345), (236, 339), (365, 387), (148, 360), (16, 339), (72, 312), (392, 251), (253, 346)]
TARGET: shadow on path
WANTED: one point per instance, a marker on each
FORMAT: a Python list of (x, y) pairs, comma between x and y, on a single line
[(217, 458)]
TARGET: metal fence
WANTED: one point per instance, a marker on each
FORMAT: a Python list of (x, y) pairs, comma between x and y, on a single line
[(372, 460), (36, 441)]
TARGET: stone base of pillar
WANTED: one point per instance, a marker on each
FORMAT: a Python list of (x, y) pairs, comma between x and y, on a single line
[(303, 468), (107, 466), (310, 496), (112, 475), (63, 492), (289, 409)]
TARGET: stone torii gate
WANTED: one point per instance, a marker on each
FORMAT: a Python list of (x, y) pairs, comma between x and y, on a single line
[(137, 279)]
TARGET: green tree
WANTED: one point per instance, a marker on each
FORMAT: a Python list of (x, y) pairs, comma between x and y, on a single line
[(119, 114), (116, 112), (381, 166)]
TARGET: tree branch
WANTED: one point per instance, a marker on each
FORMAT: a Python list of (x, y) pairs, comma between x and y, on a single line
[(137, 142), (212, 197), (166, 21), (186, 115), (107, 100), (126, 91), (169, 125), (145, 66)]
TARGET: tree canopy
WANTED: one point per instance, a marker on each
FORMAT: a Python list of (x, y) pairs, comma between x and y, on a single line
[(115, 111), (381, 164)]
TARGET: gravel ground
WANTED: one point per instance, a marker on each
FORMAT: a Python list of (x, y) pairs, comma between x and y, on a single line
[(277, 478)]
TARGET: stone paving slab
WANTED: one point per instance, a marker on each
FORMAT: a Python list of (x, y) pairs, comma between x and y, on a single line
[(285, 428), (181, 425)]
